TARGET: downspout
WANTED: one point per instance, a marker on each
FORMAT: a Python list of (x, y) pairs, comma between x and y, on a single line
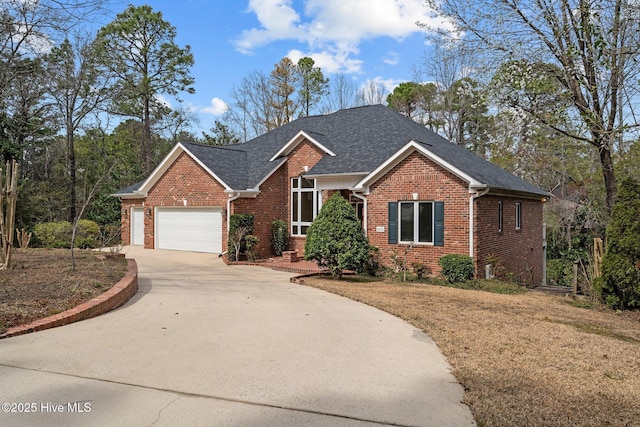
[(231, 198), (474, 195), (364, 210)]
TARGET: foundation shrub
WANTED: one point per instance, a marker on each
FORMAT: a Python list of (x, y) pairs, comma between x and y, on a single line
[(279, 236), (243, 223), (457, 267)]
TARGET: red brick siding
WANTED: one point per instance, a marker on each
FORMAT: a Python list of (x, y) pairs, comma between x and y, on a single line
[(274, 199), (184, 180), (517, 252), (269, 205), (417, 174)]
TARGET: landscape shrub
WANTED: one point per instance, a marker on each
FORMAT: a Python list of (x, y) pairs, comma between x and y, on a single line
[(236, 243), (279, 236), (457, 267), (559, 271), (58, 234), (373, 264), (420, 270), (251, 242), (619, 286), (87, 234), (336, 239), (53, 234)]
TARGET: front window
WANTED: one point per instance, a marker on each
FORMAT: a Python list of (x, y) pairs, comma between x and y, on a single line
[(518, 215), (305, 204), (416, 222)]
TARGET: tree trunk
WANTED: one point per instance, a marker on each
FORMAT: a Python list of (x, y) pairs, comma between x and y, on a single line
[(146, 137), (71, 155), (610, 182)]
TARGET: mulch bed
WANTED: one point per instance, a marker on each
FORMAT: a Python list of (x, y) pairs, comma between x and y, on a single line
[(43, 282)]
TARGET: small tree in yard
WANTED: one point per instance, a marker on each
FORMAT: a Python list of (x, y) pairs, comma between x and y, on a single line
[(240, 225), (8, 197), (619, 285), (336, 239)]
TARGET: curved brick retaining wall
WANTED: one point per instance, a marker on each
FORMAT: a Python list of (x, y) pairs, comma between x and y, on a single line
[(116, 296)]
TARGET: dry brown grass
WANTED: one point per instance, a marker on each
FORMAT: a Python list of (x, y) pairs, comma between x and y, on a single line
[(524, 360)]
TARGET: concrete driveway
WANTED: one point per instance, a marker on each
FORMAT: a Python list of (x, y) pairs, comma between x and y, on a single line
[(207, 344)]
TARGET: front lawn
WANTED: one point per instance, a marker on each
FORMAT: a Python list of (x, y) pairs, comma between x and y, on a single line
[(523, 359)]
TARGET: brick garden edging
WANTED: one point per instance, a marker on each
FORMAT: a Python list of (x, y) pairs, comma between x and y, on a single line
[(109, 300)]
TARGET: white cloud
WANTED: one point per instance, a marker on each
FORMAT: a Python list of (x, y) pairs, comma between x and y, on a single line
[(164, 101), (392, 58), (387, 84), (333, 29), (331, 61), (217, 108), (279, 22)]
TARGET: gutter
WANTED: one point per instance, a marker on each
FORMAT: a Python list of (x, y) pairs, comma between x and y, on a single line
[(232, 197), (475, 193)]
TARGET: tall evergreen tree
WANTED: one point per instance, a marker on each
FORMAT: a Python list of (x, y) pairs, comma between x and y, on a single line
[(138, 49), (77, 91), (619, 285), (313, 84)]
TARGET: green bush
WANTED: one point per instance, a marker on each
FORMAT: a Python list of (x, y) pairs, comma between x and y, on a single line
[(251, 242), (58, 234), (279, 236), (559, 271), (87, 234), (336, 239), (457, 267), (238, 221), (373, 265), (420, 270), (54, 234), (619, 286)]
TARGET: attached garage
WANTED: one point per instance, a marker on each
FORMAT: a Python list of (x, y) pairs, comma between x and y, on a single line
[(137, 226), (189, 229)]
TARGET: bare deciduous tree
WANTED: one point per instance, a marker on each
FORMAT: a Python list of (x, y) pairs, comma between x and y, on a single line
[(594, 46)]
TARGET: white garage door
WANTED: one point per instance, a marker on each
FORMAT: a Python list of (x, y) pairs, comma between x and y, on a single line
[(189, 229), (137, 226)]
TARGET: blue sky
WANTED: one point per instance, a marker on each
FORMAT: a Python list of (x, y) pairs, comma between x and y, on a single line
[(362, 39)]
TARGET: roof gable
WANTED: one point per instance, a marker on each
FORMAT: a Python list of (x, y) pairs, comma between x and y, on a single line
[(402, 154), (168, 161), (300, 137)]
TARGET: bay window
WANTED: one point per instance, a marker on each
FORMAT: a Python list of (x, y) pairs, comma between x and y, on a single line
[(305, 205)]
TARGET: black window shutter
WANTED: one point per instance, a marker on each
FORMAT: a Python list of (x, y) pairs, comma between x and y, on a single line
[(393, 222), (438, 238)]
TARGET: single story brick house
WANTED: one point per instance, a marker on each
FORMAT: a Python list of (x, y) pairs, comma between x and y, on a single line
[(408, 185)]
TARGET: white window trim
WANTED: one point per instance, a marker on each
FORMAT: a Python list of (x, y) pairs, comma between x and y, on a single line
[(500, 216), (317, 204), (416, 222), (518, 216)]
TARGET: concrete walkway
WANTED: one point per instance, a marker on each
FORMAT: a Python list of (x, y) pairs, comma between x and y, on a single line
[(207, 344)]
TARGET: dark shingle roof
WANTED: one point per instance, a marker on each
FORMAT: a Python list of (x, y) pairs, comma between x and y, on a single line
[(129, 190), (227, 162), (361, 138)]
